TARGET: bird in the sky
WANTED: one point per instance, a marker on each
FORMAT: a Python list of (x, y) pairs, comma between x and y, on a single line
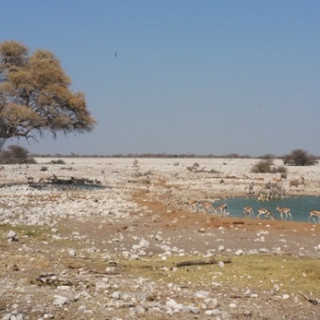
[(115, 54)]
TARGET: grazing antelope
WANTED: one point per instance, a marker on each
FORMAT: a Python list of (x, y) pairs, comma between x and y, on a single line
[(194, 205), (265, 212), (285, 213), (222, 208), (247, 212), (313, 214), (296, 182), (208, 207)]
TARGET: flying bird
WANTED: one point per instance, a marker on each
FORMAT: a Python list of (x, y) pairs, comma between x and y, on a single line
[(115, 54)]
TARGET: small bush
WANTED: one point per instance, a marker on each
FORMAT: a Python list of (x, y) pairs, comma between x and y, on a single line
[(266, 166), (282, 170), (263, 166), (59, 161), (16, 155)]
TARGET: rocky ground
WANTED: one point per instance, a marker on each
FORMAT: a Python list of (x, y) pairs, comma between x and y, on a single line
[(127, 243)]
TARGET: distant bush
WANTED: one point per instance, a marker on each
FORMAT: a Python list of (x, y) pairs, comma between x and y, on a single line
[(299, 157), (16, 155), (267, 156), (266, 166), (263, 166), (282, 170), (59, 161)]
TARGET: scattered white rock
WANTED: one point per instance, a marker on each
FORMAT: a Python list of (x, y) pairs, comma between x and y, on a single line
[(171, 303), (12, 236), (116, 295), (60, 300), (72, 252)]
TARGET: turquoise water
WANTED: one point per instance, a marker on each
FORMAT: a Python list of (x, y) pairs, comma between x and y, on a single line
[(300, 206)]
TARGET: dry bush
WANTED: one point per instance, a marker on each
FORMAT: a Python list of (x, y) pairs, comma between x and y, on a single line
[(266, 166), (299, 157), (16, 155)]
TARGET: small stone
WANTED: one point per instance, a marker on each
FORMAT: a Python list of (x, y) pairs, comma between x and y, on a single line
[(194, 310), (82, 308), (143, 243), (239, 252), (60, 300), (116, 295), (72, 252), (12, 236), (215, 312), (171, 303), (139, 310)]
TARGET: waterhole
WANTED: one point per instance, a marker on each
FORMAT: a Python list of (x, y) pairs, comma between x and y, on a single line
[(300, 206)]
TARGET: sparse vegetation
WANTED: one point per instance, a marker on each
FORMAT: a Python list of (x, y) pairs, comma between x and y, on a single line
[(246, 271), (263, 166), (267, 166), (16, 155), (59, 161)]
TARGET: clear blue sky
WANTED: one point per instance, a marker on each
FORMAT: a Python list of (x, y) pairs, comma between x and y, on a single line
[(201, 76)]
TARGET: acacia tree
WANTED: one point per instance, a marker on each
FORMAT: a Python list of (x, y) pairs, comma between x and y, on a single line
[(35, 95), (299, 157)]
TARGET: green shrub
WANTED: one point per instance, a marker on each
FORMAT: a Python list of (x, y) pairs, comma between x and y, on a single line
[(263, 166), (282, 170), (59, 161), (266, 166)]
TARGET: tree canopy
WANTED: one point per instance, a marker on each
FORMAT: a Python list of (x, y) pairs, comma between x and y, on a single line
[(35, 95)]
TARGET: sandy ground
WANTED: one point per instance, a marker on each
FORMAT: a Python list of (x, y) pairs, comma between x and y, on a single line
[(142, 208)]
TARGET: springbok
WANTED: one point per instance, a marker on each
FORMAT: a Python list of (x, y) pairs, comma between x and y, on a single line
[(222, 208), (285, 213), (265, 212), (208, 207), (296, 182), (313, 214), (247, 212)]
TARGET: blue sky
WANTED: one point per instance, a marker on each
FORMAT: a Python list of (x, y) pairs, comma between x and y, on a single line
[(204, 77)]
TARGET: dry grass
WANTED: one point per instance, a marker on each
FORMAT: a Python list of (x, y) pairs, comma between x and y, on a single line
[(284, 274)]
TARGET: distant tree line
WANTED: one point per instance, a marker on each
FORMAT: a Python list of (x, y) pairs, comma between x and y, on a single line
[(146, 155), (297, 157)]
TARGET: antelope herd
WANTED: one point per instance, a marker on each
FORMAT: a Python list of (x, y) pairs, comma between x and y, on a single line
[(248, 212), (208, 207)]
